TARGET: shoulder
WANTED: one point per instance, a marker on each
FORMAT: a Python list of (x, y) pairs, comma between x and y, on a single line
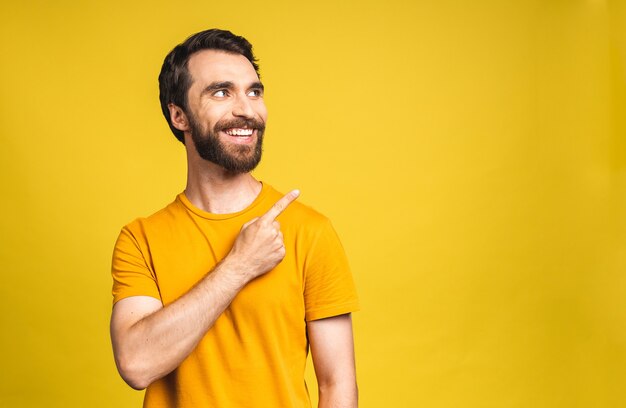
[(297, 212), (163, 219), (303, 223)]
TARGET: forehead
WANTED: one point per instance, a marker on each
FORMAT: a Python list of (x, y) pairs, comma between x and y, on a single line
[(208, 66)]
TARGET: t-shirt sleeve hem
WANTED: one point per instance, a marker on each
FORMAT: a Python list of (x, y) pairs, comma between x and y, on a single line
[(336, 310), (125, 295)]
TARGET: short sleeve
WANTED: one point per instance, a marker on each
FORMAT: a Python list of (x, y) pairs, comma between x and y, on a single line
[(130, 271), (329, 288)]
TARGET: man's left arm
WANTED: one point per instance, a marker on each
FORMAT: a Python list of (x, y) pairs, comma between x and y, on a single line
[(332, 351)]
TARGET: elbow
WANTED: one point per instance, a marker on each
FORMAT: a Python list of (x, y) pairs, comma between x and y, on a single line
[(133, 373), (339, 393), (138, 384)]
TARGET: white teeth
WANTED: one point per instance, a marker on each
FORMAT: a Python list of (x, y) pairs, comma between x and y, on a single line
[(239, 132)]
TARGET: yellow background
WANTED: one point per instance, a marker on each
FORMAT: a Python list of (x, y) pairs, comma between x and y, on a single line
[(471, 154)]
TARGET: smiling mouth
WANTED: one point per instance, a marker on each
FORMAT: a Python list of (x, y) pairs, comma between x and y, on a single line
[(239, 132)]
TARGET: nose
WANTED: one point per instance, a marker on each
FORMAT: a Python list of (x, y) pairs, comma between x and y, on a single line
[(243, 107)]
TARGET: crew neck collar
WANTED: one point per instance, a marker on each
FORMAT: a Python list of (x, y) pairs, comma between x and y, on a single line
[(211, 216)]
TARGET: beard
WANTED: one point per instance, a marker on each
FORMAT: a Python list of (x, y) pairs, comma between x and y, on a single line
[(233, 158)]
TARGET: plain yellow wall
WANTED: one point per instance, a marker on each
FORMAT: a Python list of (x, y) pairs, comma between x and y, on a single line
[(471, 154)]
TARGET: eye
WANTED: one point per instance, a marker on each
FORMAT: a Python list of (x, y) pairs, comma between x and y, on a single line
[(221, 93), (255, 92)]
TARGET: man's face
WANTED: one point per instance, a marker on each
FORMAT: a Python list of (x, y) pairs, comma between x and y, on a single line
[(226, 111)]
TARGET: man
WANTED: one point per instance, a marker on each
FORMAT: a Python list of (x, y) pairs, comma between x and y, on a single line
[(218, 296)]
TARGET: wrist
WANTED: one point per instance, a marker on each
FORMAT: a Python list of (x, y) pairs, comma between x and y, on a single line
[(235, 270)]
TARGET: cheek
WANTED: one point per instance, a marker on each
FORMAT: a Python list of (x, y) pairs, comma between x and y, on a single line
[(262, 111), (215, 117)]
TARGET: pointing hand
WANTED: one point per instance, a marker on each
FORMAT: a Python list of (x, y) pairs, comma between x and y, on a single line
[(259, 247)]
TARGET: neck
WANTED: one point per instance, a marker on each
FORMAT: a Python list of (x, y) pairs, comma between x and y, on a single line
[(216, 190)]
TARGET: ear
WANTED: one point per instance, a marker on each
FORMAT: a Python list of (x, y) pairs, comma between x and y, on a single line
[(178, 117)]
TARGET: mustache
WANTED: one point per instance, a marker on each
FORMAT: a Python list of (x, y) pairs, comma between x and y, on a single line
[(251, 123)]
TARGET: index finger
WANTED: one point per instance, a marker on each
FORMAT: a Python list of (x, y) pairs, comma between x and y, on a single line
[(280, 205)]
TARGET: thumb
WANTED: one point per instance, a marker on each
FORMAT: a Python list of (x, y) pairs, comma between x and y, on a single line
[(252, 221)]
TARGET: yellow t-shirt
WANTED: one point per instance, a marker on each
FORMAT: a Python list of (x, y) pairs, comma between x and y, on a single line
[(255, 354)]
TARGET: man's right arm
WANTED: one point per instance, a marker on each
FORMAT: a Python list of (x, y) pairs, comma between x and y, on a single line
[(150, 341)]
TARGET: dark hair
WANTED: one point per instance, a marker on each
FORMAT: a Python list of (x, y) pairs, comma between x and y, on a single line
[(174, 79)]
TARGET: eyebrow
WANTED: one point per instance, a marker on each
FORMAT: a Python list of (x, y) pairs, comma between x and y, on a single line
[(257, 85), (214, 86)]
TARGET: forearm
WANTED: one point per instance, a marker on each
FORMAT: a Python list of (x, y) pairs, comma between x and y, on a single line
[(156, 344), (338, 395)]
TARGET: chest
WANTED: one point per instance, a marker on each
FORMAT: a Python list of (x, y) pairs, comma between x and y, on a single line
[(182, 255)]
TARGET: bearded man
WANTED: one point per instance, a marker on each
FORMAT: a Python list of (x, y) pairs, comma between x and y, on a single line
[(218, 296)]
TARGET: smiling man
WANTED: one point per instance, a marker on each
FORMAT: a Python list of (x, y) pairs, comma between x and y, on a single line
[(218, 296)]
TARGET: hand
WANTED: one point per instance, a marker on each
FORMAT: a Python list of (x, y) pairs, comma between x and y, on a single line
[(259, 247)]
